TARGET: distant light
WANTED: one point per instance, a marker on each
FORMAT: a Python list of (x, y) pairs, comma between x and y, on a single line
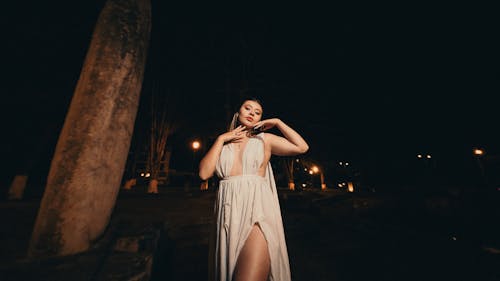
[(454, 238), (147, 175), (311, 172), (419, 156), (315, 169), (428, 156), (339, 185), (303, 185), (142, 174), (350, 187), (347, 163), (305, 169), (195, 145), (340, 163), (297, 160), (478, 151)]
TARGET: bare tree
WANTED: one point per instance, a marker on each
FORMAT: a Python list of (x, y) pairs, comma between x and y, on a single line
[(163, 124), (288, 166)]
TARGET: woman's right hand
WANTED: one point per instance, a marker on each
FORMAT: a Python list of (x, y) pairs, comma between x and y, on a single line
[(235, 135)]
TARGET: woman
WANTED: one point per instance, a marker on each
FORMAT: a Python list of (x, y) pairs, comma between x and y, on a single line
[(249, 241)]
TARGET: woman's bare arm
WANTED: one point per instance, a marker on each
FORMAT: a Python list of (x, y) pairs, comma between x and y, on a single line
[(290, 144), (208, 162)]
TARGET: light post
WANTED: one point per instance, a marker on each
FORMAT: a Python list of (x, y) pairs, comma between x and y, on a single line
[(315, 169), (348, 178), (195, 145), (426, 168), (479, 153)]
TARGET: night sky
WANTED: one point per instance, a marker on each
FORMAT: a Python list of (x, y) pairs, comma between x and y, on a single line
[(373, 84)]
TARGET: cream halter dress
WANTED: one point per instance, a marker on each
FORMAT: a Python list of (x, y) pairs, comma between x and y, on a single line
[(243, 201)]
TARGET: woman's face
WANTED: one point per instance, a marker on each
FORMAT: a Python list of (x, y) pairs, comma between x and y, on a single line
[(250, 113)]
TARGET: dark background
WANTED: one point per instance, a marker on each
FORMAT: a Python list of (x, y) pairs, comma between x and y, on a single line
[(370, 83)]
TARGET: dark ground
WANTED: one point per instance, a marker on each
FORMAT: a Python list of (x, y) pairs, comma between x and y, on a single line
[(330, 236)]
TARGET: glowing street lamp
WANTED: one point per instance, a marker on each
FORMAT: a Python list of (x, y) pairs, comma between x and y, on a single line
[(478, 152), (195, 145), (315, 170), (421, 156)]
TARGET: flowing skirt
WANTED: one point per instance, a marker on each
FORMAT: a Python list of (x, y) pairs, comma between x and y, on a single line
[(242, 202)]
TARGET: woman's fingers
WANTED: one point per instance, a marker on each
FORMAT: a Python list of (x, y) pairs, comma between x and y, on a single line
[(238, 129), (260, 125), (237, 138)]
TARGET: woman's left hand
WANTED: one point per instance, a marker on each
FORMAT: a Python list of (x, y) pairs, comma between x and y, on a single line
[(267, 124)]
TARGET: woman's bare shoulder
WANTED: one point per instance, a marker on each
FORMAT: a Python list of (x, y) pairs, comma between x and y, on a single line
[(269, 136)]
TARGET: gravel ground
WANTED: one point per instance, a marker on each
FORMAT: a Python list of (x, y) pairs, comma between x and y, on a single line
[(330, 236)]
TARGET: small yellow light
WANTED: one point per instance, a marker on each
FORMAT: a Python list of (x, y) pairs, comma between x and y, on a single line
[(350, 187), (315, 169), (195, 145), (478, 151)]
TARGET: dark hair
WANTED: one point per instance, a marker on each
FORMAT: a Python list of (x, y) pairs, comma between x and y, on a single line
[(245, 98), (234, 122)]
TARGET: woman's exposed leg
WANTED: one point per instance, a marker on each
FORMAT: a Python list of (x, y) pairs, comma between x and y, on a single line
[(253, 262)]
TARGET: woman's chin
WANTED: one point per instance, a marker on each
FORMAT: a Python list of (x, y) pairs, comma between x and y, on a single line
[(247, 124)]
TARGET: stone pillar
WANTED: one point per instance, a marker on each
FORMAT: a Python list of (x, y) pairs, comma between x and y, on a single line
[(91, 152), (17, 187), (130, 183), (153, 186)]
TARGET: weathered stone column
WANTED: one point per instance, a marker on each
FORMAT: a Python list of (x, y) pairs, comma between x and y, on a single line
[(90, 156), (17, 187)]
